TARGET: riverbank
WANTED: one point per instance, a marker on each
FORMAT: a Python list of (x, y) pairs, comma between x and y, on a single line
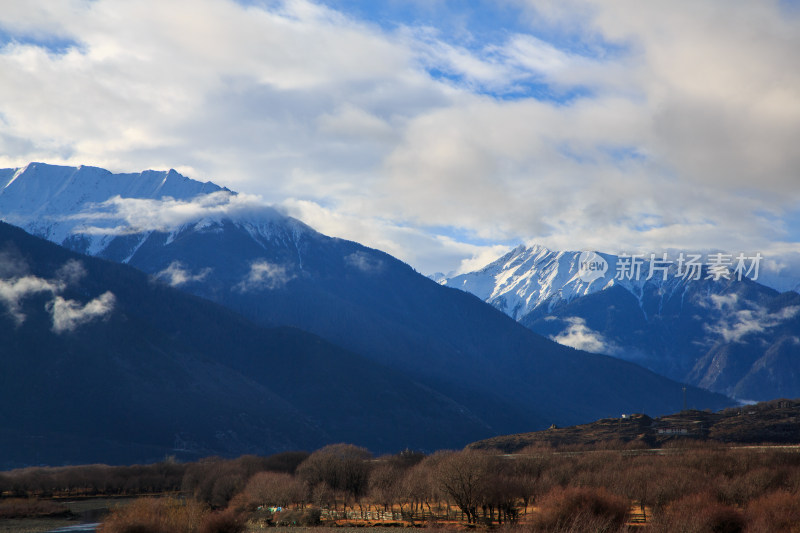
[(81, 511)]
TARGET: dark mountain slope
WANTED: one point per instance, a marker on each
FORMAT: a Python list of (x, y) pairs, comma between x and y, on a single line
[(277, 271), (719, 330), (373, 304), (735, 337), (162, 370)]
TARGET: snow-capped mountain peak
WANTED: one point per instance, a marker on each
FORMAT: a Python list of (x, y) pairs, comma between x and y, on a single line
[(694, 317), (527, 277), (92, 210), (39, 189)]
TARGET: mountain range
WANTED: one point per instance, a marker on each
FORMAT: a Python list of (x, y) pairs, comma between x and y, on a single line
[(731, 335), (322, 339), (99, 362)]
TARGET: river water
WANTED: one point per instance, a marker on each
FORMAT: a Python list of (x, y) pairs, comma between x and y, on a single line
[(79, 528)]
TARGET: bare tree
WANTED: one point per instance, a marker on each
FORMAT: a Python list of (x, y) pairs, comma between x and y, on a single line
[(385, 484), (464, 477), (275, 489), (343, 468), (419, 486)]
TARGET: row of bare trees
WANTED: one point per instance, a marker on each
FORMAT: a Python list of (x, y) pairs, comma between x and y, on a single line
[(213, 480), (341, 476), (92, 480), (491, 487), (475, 486)]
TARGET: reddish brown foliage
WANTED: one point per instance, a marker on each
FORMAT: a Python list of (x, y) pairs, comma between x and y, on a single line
[(152, 515), (23, 508), (699, 513), (778, 512), (581, 509), (223, 522), (271, 489)]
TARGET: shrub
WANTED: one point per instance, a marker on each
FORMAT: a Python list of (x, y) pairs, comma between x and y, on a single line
[(288, 518), (740, 489), (342, 467), (223, 522), (22, 508), (671, 483), (778, 512), (285, 461), (152, 515), (311, 517), (699, 513), (580, 509), (215, 481), (308, 517), (272, 489)]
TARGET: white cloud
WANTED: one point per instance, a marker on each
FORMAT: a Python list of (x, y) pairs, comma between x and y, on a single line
[(177, 274), (459, 61), (724, 302), (579, 336), (780, 268), (71, 273), (364, 262), (134, 215), (734, 325), (264, 275), (13, 291), (684, 116), (12, 263), (350, 123), (481, 258), (67, 315), (70, 314), (425, 250)]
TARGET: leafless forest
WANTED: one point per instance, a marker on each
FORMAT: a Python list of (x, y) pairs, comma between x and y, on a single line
[(692, 489)]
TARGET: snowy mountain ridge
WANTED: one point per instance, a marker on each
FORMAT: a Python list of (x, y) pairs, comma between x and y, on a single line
[(90, 209), (40, 189), (527, 278), (696, 318)]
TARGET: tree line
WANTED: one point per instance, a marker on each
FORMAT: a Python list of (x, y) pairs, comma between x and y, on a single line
[(537, 489)]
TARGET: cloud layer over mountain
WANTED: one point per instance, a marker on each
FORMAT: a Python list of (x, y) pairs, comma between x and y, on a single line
[(438, 132)]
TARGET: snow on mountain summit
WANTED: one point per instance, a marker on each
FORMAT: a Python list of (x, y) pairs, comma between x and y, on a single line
[(94, 211), (40, 189), (527, 277)]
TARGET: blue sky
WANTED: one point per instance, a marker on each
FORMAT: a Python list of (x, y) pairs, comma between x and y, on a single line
[(482, 28), (51, 43), (443, 132)]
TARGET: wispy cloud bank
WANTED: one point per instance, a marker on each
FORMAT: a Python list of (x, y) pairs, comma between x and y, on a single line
[(364, 262), (426, 250), (120, 216), (66, 314), (177, 274), (579, 336), (13, 291), (71, 273), (264, 275), (735, 324)]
